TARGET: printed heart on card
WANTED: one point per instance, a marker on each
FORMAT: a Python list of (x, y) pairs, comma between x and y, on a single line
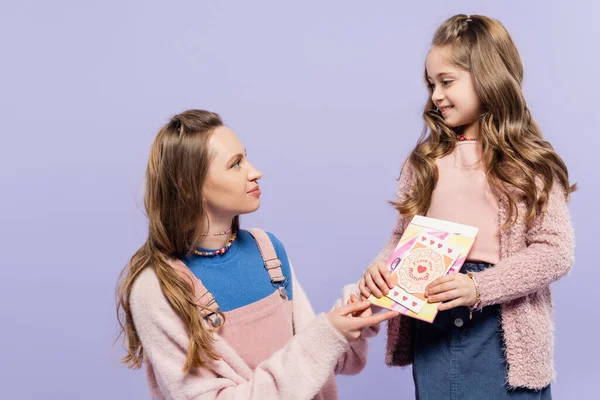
[(449, 251), (421, 269), (423, 238), (404, 298), (431, 241), (396, 293), (414, 303), (440, 246)]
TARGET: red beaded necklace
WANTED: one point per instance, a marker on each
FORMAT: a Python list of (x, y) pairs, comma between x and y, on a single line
[(222, 250), (463, 138)]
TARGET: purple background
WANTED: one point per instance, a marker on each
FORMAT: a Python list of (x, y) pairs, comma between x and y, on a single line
[(326, 96)]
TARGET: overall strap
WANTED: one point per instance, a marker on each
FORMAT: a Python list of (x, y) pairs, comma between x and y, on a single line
[(206, 299), (270, 259), (203, 296)]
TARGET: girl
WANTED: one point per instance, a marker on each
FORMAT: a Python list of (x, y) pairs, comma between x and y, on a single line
[(214, 311), (482, 162)]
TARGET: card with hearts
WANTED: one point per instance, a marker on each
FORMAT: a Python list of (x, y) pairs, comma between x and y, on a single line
[(427, 259), (428, 249), (406, 299)]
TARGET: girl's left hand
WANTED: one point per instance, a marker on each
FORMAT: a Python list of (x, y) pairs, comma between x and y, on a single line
[(455, 289)]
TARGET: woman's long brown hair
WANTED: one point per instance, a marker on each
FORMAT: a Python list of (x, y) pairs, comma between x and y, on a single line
[(177, 167), (514, 153)]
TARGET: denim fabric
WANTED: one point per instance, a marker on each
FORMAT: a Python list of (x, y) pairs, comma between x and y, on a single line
[(461, 359)]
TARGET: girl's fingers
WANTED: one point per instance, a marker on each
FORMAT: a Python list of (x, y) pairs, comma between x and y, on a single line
[(441, 288), (372, 286), (445, 296), (385, 272), (381, 284), (452, 304), (441, 280), (364, 290)]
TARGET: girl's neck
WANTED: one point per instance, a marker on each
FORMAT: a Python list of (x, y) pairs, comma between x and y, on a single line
[(470, 131)]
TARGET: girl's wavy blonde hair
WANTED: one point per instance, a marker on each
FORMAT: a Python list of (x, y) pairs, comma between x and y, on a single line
[(514, 153)]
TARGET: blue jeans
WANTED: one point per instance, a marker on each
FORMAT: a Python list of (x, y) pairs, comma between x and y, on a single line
[(460, 359)]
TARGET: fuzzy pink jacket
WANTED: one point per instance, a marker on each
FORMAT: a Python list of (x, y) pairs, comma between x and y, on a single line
[(302, 370), (530, 259)]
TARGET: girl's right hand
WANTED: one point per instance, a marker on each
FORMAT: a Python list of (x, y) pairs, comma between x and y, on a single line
[(377, 280), (350, 326)]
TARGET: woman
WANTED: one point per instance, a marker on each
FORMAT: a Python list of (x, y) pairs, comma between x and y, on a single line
[(214, 311)]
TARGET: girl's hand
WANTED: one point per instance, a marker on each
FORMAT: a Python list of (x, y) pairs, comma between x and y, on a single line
[(377, 280), (453, 289)]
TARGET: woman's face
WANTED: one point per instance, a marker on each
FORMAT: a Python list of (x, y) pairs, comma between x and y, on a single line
[(231, 186)]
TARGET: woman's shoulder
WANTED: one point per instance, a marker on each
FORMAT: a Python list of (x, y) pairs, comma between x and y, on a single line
[(277, 244), (146, 287)]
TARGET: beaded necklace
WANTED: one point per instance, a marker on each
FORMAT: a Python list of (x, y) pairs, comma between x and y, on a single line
[(463, 138), (218, 233), (222, 250)]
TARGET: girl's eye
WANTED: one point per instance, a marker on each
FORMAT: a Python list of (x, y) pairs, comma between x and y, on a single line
[(446, 82), (236, 164)]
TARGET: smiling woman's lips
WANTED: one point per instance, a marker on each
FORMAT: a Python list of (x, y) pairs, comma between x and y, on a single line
[(256, 191)]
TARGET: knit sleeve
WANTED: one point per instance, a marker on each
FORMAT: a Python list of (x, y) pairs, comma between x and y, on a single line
[(297, 371), (548, 256), (354, 360)]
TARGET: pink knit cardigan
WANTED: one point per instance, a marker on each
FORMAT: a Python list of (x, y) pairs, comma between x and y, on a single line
[(530, 259), (302, 370)]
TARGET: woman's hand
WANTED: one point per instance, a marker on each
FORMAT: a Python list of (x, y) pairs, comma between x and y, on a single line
[(352, 318)]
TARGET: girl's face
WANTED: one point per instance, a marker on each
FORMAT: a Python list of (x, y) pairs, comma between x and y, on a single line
[(231, 186), (452, 89)]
